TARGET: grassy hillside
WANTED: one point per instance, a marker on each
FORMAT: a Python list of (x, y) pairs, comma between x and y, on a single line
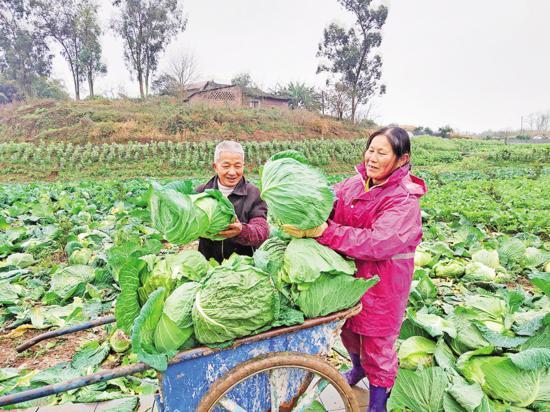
[(159, 119)]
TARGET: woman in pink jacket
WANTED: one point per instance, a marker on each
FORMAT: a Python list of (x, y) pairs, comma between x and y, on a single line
[(376, 221)]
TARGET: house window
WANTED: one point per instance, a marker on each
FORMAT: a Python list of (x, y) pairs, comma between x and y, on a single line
[(254, 103)]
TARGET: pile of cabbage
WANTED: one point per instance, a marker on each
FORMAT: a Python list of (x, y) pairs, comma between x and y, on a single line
[(474, 339), (177, 301), (182, 216)]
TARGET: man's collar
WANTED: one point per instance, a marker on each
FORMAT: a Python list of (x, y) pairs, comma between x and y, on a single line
[(240, 189)]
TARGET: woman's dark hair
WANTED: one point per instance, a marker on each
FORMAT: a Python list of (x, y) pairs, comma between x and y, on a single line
[(398, 138)]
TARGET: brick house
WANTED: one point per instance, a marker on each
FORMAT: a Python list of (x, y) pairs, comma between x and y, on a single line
[(217, 94)]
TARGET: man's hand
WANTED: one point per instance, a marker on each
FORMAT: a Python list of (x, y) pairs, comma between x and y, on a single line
[(233, 230), (295, 232)]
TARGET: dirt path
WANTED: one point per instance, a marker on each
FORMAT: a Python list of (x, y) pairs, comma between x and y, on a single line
[(46, 353)]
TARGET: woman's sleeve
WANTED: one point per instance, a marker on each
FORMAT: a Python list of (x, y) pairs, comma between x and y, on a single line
[(396, 229)]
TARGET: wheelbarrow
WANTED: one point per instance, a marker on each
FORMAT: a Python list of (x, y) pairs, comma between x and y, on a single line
[(282, 369)]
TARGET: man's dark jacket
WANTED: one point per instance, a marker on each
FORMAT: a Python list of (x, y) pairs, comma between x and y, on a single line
[(251, 212)]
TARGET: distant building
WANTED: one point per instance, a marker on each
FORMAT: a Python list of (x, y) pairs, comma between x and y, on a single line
[(218, 94)]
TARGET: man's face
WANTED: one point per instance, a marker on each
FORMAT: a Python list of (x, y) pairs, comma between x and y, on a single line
[(230, 168)]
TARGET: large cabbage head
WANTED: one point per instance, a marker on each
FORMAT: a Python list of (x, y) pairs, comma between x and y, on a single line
[(422, 258), (449, 269), (479, 272), (183, 216), (176, 325), (487, 257), (416, 352), (218, 208), (296, 193), (174, 215), (233, 301)]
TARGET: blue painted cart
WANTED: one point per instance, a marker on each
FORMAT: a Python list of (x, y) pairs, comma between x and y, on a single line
[(279, 370)]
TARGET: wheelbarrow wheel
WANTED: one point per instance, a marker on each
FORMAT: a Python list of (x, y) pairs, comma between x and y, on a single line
[(319, 375)]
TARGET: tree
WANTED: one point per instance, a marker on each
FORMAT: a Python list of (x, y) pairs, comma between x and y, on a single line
[(336, 101), (90, 56), (24, 53), (183, 69), (147, 26), (243, 80), (301, 96), (165, 85), (445, 131), (350, 54), (63, 21)]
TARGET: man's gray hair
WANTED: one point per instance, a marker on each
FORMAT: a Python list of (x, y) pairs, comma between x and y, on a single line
[(228, 146)]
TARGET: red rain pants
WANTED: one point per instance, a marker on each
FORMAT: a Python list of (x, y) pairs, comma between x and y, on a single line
[(378, 356)]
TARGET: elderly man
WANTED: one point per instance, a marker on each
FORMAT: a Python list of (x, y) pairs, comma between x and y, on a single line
[(250, 229)]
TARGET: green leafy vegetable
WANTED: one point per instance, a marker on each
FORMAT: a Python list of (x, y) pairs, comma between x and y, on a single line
[(331, 293), (232, 302), (296, 193), (416, 352), (419, 391)]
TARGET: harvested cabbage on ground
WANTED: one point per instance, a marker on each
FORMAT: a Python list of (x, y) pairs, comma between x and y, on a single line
[(296, 193), (182, 215)]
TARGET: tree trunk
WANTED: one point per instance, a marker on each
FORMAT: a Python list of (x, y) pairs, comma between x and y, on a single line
[(91, 83), (353, 108), (140, 80), (76, 81)]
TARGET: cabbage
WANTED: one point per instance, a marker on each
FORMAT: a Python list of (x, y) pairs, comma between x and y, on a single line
[(18, 260), (296, 193), (81, 257), (487, 257), (511, 250), (269, 256), (419, 390), (233, 301), (452, 269), (218, 209), (416, 352), (502, 379), (71, 280), (422, 258), (182, 216), (433, 324), (190, 264), (143, 332), (176, 325), (331, 293), (479, 271), (119, 341), (306, 259), (534, 257)]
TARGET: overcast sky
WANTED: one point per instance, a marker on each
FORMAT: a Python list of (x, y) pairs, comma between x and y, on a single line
[(473, 64)]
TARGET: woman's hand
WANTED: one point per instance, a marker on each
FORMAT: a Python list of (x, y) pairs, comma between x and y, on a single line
[(299, 233)]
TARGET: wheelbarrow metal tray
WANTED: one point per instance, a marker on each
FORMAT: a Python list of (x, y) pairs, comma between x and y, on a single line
[(192, 373)]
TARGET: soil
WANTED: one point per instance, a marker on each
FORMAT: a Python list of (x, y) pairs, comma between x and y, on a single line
[(46, 353)]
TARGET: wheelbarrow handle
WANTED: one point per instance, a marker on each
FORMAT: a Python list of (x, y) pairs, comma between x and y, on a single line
[(75, 383), (65, 331)]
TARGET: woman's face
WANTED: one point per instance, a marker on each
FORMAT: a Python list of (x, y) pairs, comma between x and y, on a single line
[(381, 161)]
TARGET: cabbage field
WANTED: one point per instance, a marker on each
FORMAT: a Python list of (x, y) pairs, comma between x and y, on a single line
[(477, 331)]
